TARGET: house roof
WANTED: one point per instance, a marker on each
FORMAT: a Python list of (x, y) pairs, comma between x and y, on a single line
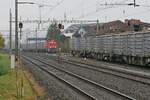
[(116, 26)]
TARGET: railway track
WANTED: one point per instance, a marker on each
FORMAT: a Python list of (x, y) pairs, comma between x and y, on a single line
[(88, 96), (90, 89), (135, 78), (138, 77), (124, 73)]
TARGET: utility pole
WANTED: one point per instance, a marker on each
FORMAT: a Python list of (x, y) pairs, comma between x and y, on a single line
[(16, 47), (12, 57), (16, 26), (16, 30), (10, 33), (17, 60)]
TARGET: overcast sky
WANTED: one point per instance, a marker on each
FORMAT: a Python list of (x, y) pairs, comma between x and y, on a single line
[(77, 9)]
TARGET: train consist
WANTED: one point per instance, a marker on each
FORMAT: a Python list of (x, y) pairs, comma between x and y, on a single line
[(130, 48), (43, 47), (54, 40), (36, 47)]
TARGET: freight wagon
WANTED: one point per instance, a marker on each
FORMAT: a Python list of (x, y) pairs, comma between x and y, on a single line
[(130, 48)]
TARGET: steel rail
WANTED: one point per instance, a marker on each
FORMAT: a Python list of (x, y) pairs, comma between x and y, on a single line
[(61, 79), (87, 80), (98, 68)]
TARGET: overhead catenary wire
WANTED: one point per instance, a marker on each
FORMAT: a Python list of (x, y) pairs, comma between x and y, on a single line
[(94, 11), (76, 11), (115, 6), (102, 9), (136, 13), (55, 6)]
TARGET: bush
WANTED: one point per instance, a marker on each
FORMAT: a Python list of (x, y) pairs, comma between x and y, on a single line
[(3, 70), (4, 64)]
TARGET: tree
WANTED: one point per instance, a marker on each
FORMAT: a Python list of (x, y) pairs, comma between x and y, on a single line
[(54, 33), (2, 41)]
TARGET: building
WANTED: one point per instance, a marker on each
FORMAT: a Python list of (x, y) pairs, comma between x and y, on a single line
[(113, 27)]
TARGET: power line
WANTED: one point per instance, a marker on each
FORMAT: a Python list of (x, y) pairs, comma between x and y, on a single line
[(77, 10), (57, 21), (111, 5), (55, 6), (135, 13)]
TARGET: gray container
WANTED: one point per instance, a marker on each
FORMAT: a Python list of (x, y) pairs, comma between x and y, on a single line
[(107, 44), (146, 45)]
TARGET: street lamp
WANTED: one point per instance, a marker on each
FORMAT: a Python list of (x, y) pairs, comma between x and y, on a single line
[(16, 22), (16, 26), (16, 43)]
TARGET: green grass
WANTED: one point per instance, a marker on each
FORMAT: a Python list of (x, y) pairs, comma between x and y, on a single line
[(4, 64), (8, 87), (8, 90)]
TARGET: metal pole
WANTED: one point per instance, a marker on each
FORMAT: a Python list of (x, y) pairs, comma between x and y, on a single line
[(40, 17), (20, 40), (10, 37), (26, 40), (36, 40), (16, 30), (97, 27), (16, 45), (21, 84)]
